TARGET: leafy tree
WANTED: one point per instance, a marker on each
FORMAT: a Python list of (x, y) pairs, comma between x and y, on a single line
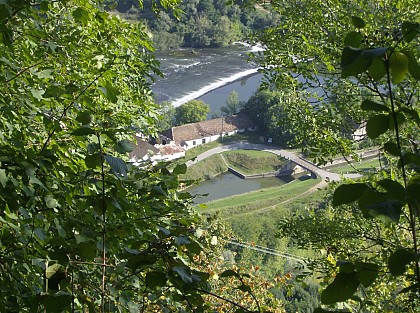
[(191, 112), (232, 104), (273, 111), (369, 234), (167, 116), (80, 228), (303, 59)]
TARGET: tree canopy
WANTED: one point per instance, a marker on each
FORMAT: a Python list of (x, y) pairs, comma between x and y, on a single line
[(355, 64), (81, 229), (205, 23), (191, 112)]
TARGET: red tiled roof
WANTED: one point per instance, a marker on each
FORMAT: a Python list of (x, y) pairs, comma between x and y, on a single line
[(141, 148), (208, 128), (171, 149)]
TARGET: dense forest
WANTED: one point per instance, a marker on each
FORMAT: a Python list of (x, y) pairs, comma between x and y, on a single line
[(205, 23)]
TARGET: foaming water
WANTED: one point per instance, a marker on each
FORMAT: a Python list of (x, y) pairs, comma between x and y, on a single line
[(213, 86), (191, 74)]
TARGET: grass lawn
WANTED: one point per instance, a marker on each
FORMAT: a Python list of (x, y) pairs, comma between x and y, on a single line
[(206, 169), (253, 161), (364, 166)]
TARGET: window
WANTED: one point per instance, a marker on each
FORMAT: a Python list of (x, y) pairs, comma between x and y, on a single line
[(203, 140), (194, 143)]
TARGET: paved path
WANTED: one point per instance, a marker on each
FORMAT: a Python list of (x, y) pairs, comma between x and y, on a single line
[(323, 174)]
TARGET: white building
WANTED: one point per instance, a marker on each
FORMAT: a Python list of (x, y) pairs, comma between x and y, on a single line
[(195, 134)]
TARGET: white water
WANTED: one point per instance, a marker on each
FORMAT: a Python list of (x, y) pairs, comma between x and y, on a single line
[(217, 84)]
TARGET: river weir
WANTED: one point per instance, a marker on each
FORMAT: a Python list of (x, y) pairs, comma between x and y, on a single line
[(206, 74)]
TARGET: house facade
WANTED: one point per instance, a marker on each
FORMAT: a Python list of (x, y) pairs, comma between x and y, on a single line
[(191, 135)]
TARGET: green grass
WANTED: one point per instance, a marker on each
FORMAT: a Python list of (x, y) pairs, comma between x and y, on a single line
[(365, 166), (257, 200), (206, 169), (253, 161)]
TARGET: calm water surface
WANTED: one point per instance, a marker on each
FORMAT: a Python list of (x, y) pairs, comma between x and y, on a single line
[(227, 184)]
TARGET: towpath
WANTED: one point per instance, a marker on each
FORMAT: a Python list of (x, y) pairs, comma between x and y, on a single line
[(323, 174)]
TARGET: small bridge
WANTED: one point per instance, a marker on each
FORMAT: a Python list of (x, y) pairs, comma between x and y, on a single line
[(292, 157)]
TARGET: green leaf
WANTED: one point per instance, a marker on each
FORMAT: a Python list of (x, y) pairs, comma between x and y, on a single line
[(93, 160), (392, 148), (398, 63), (84, 118), (40, 234), (399, 259), (110, 92), (358, 22), (370, 197), (229, 273), (83, 131), (378, 69), (156, 279), (183, 272), (388, 211), (377, 125), (413, 66), (81, 15), (368, 105), (353, 39), (181, 240), (3, 177), (413, 194), (118, 166), (410, 30), (51, 202), (345, 266), (348, 193), (180, 169), (86, 250), (141, 261), (244, 288), (124, 146), (394, 189), (367, 273), (412, 113), (57, 303), (37, 94), (353, 62), (342, 288)]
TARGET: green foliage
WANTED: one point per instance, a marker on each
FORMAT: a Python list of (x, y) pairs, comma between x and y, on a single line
[(254, 162), (271, 110), (167, 116), (80, 228), (206, 169), (232, 104), (191, 112), (206, 23), (370, 234)]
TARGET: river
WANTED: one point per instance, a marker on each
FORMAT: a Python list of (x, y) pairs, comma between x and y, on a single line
[(206, 74), (228, 184)]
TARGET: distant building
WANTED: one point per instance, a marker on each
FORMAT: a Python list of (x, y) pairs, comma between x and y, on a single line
[(195, 134), (360, 133), (142, 151)]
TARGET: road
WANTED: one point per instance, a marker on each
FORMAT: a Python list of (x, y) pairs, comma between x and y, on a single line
[(323, 174)]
